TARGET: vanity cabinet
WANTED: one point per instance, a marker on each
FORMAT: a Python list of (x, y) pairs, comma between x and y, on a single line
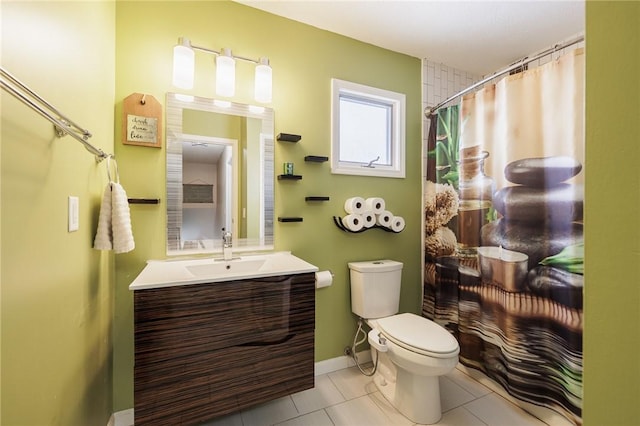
[(207, 350)]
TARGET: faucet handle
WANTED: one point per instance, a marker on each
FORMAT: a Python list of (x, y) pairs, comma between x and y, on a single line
[(377, 340), (226, 237)]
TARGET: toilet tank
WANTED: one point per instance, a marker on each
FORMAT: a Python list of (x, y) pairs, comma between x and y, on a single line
[(375, 288)]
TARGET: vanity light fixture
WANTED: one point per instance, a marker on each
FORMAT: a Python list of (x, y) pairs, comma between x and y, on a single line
[(184, 67)]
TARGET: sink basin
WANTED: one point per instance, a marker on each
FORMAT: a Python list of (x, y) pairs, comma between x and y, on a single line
[(224, 268), (166, 273)]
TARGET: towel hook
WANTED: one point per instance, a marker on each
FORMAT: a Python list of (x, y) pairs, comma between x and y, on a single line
[(109, 168), (117, 174), (115, 163)]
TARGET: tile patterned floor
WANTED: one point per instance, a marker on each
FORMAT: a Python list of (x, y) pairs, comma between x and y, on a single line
[(349, 398)]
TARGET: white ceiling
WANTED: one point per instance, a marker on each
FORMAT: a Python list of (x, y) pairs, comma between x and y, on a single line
[(474, 36), (201, 152)]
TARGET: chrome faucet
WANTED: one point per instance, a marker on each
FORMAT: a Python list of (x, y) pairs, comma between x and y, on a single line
[(227, 243)]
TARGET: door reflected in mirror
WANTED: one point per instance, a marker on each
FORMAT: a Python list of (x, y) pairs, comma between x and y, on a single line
[(220, 174)]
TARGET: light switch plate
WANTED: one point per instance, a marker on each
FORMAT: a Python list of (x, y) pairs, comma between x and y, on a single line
[(74, 220)]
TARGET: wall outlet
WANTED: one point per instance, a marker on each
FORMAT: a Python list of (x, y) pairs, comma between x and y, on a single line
[(74, 214)]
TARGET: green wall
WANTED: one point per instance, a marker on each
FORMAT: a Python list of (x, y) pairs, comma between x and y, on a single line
[(612, 213), (212, 124), (57, 291), (304, 59)]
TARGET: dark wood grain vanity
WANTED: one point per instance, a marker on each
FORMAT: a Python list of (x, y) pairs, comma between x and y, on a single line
[(207, 350)]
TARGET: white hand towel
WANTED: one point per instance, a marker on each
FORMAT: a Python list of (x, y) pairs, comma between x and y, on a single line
[(104, 235), (114, 223), (121, 220)]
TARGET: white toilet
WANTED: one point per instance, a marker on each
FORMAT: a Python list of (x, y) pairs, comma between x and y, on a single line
[(413, 351)]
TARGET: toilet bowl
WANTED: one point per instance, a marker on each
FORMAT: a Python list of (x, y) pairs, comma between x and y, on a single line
[(412, 353)]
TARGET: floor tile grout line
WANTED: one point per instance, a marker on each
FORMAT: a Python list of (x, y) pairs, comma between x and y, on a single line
[(475, 398), (337, 387), (473, 379), (369, 395), (306, 414), (328, 416), (473, 415), (296, 406)]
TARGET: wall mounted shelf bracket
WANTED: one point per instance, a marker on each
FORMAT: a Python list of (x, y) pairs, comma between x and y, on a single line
[(288, 137)]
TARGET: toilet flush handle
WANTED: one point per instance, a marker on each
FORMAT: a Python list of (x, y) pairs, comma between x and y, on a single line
[(377, 340)]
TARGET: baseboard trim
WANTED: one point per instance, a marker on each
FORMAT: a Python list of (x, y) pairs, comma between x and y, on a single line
[(126, 418), (341, 362), (122, 418)]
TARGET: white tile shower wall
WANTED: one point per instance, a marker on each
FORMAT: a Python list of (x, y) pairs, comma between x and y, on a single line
[(438, 83)]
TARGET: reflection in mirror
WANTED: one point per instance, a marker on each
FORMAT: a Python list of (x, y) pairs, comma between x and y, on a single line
[(219, 175)]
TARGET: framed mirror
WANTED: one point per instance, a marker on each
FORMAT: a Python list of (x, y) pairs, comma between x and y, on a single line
[(220, 174)]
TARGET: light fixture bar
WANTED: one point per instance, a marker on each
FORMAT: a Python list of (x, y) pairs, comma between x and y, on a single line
[(184, 70), (219, 52)]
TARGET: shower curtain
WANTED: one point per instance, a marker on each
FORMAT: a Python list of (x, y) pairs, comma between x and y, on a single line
[(504, 244)]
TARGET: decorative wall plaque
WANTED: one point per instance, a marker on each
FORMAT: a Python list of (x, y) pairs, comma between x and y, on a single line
[(141, 120)]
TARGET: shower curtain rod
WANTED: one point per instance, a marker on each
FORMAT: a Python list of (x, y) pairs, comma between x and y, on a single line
[(428, 111), (63, 125)]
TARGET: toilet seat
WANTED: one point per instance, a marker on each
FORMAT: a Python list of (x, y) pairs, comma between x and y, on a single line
[(419, 335)]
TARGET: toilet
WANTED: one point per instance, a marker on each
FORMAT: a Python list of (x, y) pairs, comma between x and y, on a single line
[(412, 351)]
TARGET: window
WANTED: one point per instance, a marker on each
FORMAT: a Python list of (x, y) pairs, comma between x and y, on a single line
[(368, 128)]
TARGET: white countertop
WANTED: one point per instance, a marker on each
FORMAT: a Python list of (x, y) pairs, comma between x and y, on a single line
[(167, 273)]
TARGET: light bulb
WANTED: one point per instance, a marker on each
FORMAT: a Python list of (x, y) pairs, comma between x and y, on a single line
[(263, 81), (225, 74), (183, 64)]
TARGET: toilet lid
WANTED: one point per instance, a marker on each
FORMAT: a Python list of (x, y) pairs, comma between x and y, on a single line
[(418, 334)]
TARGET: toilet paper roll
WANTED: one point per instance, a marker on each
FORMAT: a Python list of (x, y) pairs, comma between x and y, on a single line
[(324, 279), (354, 205), (368, 218), (384, 218), (375, 204), (353, 222), (397, 223)]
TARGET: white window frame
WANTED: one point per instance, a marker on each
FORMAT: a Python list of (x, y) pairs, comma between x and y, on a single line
[(397, 137)]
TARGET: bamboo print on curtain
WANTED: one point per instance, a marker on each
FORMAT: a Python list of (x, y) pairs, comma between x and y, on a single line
[(504, 243)]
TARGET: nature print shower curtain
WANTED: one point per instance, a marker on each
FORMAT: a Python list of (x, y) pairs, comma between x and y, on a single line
[(504, 244)]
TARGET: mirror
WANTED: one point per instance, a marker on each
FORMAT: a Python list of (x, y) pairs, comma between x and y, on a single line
[(220, 174)]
